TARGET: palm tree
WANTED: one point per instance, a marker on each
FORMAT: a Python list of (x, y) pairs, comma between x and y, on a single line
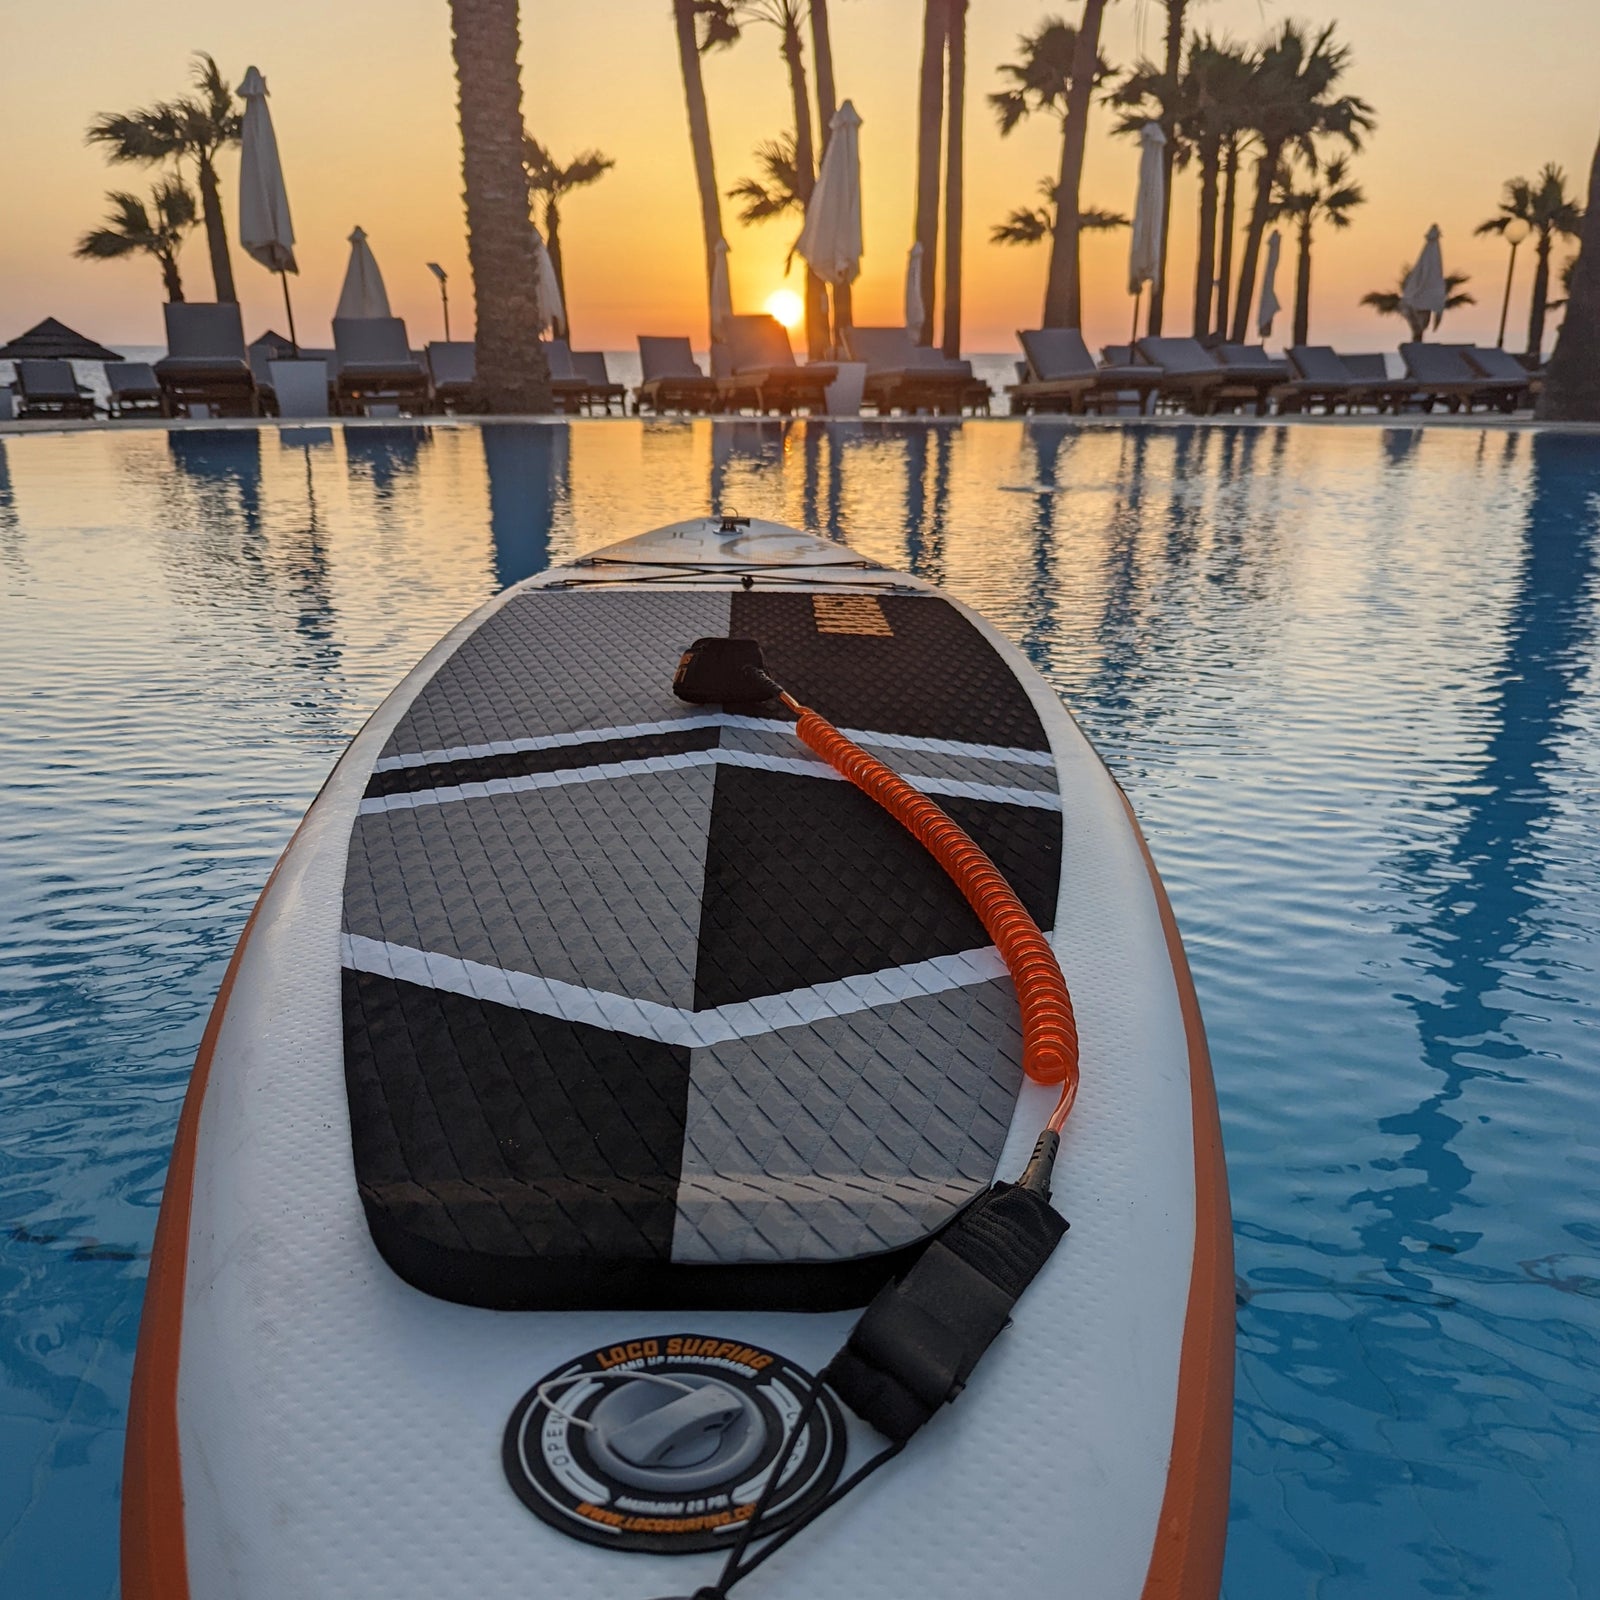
[(1548, 210), (687, 16), (778, 190), (194, 128), (1390, 302), (1292, 105), (1056, 71), (512, 374), (827, 104), (1030, 224), (954, 185), (786, 16), (547, 177), (1572, 385), (1213, 111), (1328, 196), (131, 228), (930, 123)]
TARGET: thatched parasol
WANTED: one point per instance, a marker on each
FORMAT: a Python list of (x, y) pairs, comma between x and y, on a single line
[(55, 341)]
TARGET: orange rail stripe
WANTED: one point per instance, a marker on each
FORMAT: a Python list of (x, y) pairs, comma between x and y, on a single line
[(154, 1559), (1186, 1561)]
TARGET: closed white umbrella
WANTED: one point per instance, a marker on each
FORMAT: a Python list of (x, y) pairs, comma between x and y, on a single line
[(265, 230), (1423, 294), (830, 241), (363, 294), (552, 313), (721, 296), (1144, 249), (1269, 307), (916, 312)]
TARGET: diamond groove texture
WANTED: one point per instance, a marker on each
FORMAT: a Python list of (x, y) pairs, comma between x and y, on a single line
[(856, 1135), (937, 676)]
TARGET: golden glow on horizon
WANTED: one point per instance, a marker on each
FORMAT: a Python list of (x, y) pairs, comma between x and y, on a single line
[(786, 306), (364, 103)]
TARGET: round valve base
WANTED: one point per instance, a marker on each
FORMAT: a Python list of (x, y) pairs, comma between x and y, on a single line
[(666, 1443)]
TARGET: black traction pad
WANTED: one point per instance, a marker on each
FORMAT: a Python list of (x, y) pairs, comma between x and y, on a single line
[(513, 1158)]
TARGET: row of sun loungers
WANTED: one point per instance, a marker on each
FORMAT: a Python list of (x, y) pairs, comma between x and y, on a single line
[(1158, 374), (753, 369), (208, 370), (371, 369)]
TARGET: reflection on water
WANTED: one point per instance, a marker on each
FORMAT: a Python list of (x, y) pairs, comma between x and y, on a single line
[(1348, 677), (527, 467)]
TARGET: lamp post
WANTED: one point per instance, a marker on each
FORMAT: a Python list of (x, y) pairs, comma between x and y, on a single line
[(1514, 232), (444, 298)]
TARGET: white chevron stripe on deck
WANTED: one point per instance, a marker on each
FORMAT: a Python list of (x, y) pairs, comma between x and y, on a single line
[(646, 1019), (712, 719), (800, 766)]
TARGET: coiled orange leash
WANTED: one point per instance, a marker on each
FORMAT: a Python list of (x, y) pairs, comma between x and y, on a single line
[(1049, 1029), (917, 1344), (731, 671)]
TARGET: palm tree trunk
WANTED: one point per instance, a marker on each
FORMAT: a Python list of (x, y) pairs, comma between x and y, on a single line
[(1158, 289), (1266, 165), (1063, 299), (552, 245), (953, 184), (930, 123), (512, 373), (1230, 190), (1205, 266), (1572, 385), (169, 276), (694, 93), (827, 104), (805, 164), (1541, 296), (216, 231), (1302, 285)]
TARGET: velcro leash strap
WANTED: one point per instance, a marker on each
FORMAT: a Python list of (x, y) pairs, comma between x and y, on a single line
[(917, 1343)]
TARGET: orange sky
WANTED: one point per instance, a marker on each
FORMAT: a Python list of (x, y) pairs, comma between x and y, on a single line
[(364, 101)]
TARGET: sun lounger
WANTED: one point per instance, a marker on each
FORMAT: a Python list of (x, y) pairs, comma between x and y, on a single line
[(1442, 373), (1061, 375), (671, 378), (763, 374), (206, 364), (1386, 392), (599, 390), (1319, 376), (905, 376), (49, 389), (568, 387), (1250, 376), (135, 390), (453, 370), (375, 366), (1501, 367), (1191, 376)]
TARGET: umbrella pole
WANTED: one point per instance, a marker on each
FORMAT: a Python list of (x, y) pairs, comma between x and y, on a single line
[(289, 312), (1134, 336)]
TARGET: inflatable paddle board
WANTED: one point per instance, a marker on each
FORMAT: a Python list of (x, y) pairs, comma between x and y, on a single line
[(594, 1055)]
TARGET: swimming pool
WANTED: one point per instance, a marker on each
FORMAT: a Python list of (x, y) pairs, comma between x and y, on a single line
[(1347, 674)]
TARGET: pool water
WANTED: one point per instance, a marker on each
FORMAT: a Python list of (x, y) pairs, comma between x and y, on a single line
[(1347, 675)]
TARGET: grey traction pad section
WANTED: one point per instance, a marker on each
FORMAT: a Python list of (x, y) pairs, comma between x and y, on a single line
[(548, 663), (610, 899), (852, 1136)]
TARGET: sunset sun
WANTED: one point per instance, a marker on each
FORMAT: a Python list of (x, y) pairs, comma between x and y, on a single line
[(786, 306)]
